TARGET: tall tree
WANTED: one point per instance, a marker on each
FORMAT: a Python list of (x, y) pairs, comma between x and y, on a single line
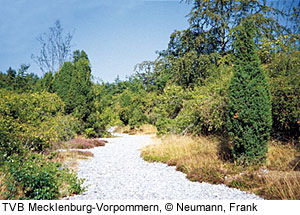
[(61, 84), (249, 110), (194, 52), (81, 93), (73, 84)]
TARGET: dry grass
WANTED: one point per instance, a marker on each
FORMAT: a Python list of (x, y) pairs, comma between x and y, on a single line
[(2, 188), (200, 159), (70, 159), (81, 143), (141, 130)]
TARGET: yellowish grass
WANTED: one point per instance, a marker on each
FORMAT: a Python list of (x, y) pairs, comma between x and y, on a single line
[(70, 159), (141, 130), (2, 188), (200, 159), (282, 185), (280, 156)]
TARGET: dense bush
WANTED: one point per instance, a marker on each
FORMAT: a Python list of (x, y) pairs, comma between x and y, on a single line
[(285, 89), (28, 123), (33, 177), (249, 117), (130, 107), (205, 111), (33, 121), (58, 128), (168, 106)]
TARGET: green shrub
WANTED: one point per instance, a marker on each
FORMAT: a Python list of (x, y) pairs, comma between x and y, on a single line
[(205, 112), (285, 90), (249, 117), (89, 132), (165, 126), (171, 101), (198, 111), (168, 106), (58, 128), (33, 177), (33, 121), (131, 108)]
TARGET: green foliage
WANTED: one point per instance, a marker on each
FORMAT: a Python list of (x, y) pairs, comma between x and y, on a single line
[(249, 110), (33, 177), (168, 106), (201, 110), (33, 121), (81, 93), (285, 89), (73, 85), (205, 111), (45, 83), (58, 128), (130, 107), (19, 81), (61, 84)]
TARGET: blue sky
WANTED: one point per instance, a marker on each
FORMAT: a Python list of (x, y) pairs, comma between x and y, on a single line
[(115, 34)]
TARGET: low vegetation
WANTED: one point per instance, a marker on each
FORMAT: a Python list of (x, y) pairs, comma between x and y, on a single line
[(203, 159), (139, 130), (82, 143)]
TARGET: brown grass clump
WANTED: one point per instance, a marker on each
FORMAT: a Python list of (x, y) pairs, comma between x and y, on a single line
[(70, 158), (2, 188), (141, 130), (81, 143), (282, 185), (199, 158)]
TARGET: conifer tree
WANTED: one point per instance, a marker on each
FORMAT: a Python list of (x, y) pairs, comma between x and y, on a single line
[(73, 84), (61, 84), (249, 110), (81, 93)]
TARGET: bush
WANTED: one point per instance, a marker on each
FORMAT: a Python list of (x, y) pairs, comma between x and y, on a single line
[(249, 117), (33, 121), (285, 89), (205, 112), (200, 111), (131, 108), (33, 177), (168, 106)]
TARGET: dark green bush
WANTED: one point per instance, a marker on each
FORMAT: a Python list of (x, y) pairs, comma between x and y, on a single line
[(33, 177), (285, 90), (249, 117)]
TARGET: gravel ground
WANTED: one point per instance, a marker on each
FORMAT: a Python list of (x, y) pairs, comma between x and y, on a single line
[(118, 172)]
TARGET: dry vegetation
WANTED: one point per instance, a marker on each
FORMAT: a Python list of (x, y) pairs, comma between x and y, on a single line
[(2, 190), (70, 159), (141, 130), (73, 151), (82, 143), (200, 159)]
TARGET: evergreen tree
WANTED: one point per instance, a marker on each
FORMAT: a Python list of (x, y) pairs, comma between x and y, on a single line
[(249, 110), (73, 84), (61, 84), (81, 93)]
